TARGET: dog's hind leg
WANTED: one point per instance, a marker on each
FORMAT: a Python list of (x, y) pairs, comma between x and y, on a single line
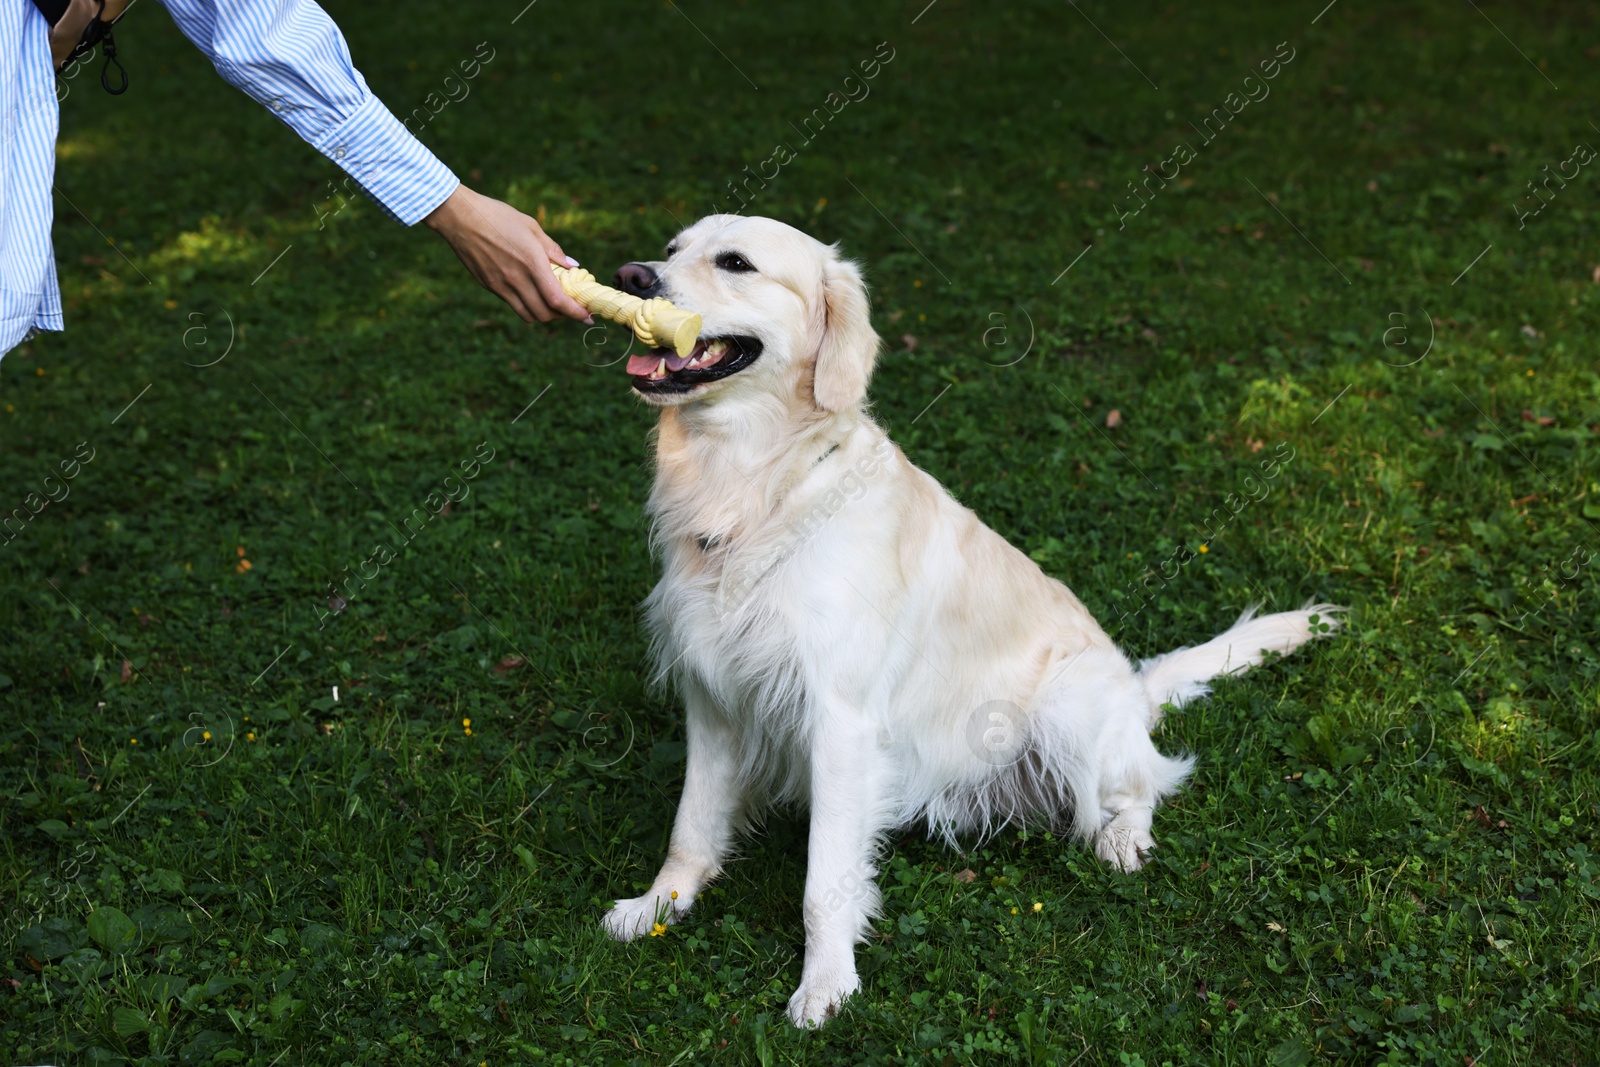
[(703, 829), (1133, 779), (1092, 731)]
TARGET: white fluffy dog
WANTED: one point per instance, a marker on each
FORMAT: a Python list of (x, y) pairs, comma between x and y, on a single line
[(844, 633)]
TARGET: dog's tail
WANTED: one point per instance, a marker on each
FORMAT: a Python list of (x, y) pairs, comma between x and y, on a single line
[(1180, 676)]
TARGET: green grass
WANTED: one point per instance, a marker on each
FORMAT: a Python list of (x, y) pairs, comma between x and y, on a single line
[(1387, 852)]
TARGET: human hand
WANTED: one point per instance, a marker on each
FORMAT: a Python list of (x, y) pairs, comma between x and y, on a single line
[(68, 31), (508, 252)]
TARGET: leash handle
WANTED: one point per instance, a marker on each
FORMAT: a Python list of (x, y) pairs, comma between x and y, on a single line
[(108, 48)]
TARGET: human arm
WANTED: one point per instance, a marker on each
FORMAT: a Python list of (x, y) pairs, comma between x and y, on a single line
[(289, 56)]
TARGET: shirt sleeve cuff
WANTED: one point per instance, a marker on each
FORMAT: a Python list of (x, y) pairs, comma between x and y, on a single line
[(387, 161)]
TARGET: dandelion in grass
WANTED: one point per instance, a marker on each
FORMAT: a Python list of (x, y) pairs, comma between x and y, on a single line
[(133, 740), (1038, 905), (251, 736), (1204, 549), (658, 929)]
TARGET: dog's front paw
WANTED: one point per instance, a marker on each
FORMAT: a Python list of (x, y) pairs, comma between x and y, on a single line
[(629, 919), (1124, 847), (819, 997)]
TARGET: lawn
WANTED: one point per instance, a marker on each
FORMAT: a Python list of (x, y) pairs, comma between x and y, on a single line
[(1338, 341)]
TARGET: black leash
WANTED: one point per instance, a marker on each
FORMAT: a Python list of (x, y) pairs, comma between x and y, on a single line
[(98, 32)]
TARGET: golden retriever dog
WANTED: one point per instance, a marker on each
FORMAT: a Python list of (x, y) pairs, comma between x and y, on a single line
[(844, 634)]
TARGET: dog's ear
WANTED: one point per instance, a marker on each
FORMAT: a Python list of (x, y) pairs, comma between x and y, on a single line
[(849, 346)]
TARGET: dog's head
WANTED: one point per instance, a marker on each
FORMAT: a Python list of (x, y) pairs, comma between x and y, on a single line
[(781, 310)]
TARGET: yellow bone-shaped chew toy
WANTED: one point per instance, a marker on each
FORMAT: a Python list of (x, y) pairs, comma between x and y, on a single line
[(656, 322)]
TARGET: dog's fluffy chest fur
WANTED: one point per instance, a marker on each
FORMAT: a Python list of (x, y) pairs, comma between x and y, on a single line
[(733, 613)]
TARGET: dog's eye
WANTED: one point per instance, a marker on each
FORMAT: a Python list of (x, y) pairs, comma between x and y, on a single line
[(672, 250), (733, 261)]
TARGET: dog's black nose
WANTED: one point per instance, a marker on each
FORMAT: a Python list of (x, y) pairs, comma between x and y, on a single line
[(637, 279)]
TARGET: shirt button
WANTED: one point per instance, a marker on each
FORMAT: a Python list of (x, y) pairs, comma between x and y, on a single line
[(277, 105), (339, 153)]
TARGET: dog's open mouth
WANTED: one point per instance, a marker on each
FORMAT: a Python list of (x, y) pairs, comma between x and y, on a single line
[(662, 370)]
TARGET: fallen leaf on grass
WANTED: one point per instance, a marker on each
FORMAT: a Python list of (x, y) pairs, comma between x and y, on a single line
[(1113, 419)]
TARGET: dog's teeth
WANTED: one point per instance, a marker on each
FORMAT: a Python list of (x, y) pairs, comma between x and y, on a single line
[(717, 348), (660, 371)]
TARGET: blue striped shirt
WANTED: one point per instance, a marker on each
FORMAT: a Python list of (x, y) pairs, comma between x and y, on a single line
[(285, 54)]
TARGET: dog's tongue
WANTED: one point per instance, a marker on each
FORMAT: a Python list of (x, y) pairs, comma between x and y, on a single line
[(645, 365)]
